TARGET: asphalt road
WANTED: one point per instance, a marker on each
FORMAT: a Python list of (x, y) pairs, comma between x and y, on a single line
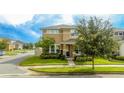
[(9, 66), (17, 59), (68, 76)]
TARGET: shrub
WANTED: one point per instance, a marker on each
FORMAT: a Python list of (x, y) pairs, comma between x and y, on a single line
[(61, 56), (120, 58), (83, 59), (52, 56)]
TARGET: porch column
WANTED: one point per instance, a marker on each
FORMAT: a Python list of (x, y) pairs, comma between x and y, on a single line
[(64, 49), (55, 48), (49, 49)]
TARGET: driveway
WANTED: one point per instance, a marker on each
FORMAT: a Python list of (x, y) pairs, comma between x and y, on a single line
[(8, 66)]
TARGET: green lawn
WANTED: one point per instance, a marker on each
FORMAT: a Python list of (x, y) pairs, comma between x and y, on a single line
[(79, 69), (37, 61), (101, 61), (15, 52)]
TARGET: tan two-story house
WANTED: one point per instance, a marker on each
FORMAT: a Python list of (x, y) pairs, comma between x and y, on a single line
[(65, 35)]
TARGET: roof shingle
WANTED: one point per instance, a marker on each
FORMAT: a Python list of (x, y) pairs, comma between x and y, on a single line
[(59, 26)]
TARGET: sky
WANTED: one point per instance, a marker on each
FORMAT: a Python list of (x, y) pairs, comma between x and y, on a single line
[(26, 28)]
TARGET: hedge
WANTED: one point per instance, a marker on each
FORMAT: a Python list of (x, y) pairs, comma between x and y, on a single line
[(120, 58), (52, 56), (83, 59)]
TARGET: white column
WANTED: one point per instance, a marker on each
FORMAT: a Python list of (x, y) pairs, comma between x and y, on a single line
[(49, 49), (55, 48), (64, 49)]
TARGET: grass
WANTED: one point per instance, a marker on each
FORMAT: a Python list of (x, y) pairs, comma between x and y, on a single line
[(101, 61), (37, 61), (15, 52), (79, 70), (10, 53)]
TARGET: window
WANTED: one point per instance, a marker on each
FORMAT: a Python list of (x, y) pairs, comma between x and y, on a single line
[(116, 33), (74, 33), (53, 31), (77, 50), (120, 33), (52, 49)]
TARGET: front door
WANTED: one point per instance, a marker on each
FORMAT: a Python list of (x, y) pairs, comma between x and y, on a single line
[(69, 51)]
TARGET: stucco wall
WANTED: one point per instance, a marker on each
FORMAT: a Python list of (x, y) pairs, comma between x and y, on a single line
[(62, 36), (38, 51), (121, 49), (66, 34)]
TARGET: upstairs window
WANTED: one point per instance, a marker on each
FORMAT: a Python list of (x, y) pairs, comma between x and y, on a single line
[(53, 31), (74, 33), (120, 33)]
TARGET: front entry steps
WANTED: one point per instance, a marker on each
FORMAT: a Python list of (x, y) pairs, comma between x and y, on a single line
[(70, 62)]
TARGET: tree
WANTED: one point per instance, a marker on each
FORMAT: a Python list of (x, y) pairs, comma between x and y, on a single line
[(45, 43), (3, 45), (95, 37), (28, 46)]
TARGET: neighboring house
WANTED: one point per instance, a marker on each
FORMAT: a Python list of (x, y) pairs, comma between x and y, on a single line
[(119, 33), (12, 44), (65, 35), (18, 45)]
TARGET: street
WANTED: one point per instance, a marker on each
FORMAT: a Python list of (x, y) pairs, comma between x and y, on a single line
[(8, 66), (67, 76)]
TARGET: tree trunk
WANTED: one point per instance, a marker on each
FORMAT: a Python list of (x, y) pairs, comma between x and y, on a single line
[(93, 62)]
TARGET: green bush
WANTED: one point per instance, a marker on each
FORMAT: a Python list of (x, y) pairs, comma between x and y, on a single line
[(52, 56), (83, 59), (10, 53), (120, 58), (61, 56)]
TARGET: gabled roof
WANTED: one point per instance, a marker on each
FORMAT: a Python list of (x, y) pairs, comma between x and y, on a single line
[(59, 26), (9, 40), (118, 29), (71, 26)]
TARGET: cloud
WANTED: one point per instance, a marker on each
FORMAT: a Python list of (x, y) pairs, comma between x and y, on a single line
[(65, 19), (17, 19), (27, 28), (34, 34)]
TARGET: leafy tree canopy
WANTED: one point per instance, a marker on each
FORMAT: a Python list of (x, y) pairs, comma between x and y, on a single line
[(96, 37), (3, 45), (45, 42)]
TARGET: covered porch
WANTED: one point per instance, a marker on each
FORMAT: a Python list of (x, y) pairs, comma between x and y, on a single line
[(67, 48)]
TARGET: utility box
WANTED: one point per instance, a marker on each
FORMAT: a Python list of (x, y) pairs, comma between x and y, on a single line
[(121, 49), (38, 51), (1, 53)]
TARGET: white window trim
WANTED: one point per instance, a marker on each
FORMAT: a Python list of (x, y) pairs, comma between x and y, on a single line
[(53, 31)]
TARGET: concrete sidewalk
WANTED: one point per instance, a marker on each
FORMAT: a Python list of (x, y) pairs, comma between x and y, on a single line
[(57, 66), (70, 62)]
